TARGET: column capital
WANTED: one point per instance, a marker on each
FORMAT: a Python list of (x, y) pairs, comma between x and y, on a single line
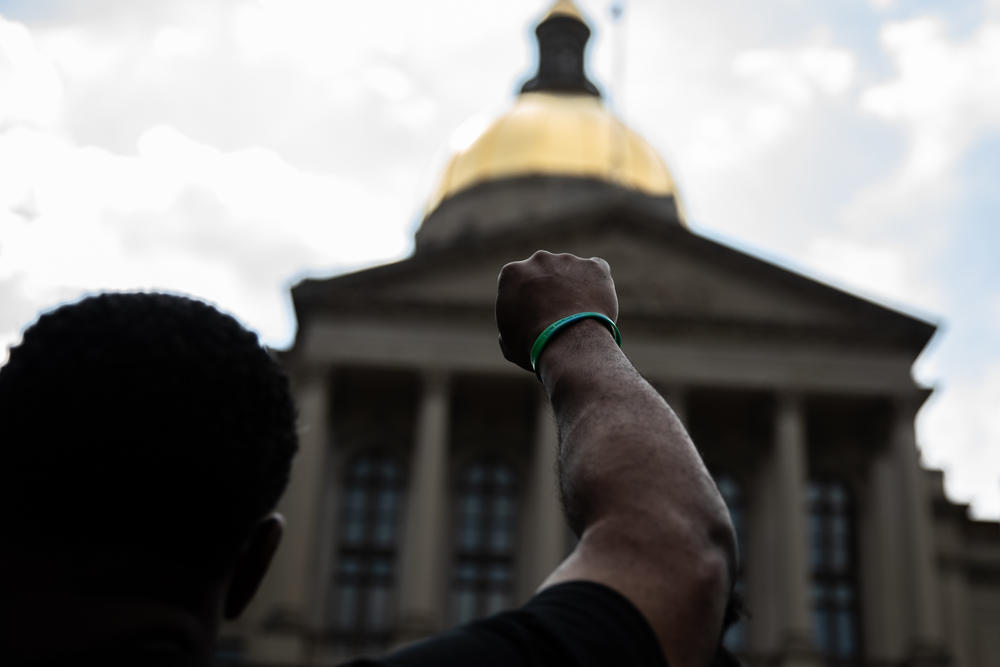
[(435, 379), (790, 399)]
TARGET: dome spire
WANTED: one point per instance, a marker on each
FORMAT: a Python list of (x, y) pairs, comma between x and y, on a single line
[(562, 39)]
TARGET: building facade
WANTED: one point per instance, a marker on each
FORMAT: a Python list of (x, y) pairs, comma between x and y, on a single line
[(424, 494)]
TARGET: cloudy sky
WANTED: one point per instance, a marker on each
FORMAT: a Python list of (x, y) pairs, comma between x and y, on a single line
[(229, 148)]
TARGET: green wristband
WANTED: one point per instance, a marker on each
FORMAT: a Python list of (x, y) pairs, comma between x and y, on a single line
[(559, 325)]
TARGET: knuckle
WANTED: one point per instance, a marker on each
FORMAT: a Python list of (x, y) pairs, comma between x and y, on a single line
[(507, 270)]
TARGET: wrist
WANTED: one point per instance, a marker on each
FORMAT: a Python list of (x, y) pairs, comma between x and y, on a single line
[(578, 347), (560, 325)]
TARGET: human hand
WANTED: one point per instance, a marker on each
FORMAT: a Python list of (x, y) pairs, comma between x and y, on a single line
[(535, 292)]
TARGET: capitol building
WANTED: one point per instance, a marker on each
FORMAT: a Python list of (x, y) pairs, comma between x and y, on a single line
[(424, 494)]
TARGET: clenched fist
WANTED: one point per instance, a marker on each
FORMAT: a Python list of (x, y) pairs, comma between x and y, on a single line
[(535, 292)]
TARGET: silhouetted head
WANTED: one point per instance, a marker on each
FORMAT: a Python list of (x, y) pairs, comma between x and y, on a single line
[(146, 438)]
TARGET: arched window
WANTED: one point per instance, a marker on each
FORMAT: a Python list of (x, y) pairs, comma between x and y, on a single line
[(485, 539), (362, 604), (834, 569), (732, 493)]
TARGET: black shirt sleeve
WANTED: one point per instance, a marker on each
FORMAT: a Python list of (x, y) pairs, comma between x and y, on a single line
[(577, 624)]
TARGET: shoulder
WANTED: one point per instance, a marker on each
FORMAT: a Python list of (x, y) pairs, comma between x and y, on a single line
[(577, 623)]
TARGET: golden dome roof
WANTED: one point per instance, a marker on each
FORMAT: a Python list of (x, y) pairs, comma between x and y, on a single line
[(558, 126), (564, 8), (557, 134)]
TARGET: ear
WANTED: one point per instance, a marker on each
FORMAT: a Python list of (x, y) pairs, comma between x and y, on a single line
[(252, 564)]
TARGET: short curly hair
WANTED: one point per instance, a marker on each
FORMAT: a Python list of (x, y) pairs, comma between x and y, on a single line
[(143, 421)]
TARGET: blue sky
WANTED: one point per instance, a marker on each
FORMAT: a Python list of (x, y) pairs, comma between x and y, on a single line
[(228, 148)]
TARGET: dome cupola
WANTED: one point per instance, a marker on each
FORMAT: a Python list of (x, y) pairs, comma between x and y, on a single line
[(562, 40), (557, 128)]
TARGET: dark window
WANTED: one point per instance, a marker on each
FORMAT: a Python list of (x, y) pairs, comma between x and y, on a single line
[(362, 604), (736, 636), (485, 539), (834, 570)]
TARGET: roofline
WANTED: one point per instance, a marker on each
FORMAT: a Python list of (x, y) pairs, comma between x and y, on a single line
[(626, 217)]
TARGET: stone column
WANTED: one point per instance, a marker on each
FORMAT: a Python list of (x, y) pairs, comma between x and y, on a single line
[(422, 585), (292, 592), (763, 578), (546, 529), (957, 603), (924, 637), (795, 611), (882, 551)]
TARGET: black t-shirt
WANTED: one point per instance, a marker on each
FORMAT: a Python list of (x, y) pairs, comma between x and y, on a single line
[(577, 624)]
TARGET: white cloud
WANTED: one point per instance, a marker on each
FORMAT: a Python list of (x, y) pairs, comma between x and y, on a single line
[(141, 204), (960, 433), (232, 227), (30, 88), (774, 90), (880, 271), (173, 42), (945, 96), (798, 76)]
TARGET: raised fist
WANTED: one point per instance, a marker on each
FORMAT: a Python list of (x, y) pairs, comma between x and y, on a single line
[(535, 292)]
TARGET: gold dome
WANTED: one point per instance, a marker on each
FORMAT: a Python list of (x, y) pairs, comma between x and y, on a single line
[(557, 134), (558, 126), (564, 8)]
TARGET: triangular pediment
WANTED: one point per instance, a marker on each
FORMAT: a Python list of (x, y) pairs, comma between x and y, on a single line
[(666, 276)]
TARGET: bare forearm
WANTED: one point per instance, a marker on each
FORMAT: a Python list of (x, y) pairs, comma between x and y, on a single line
[(650, 520), (623, 451)]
